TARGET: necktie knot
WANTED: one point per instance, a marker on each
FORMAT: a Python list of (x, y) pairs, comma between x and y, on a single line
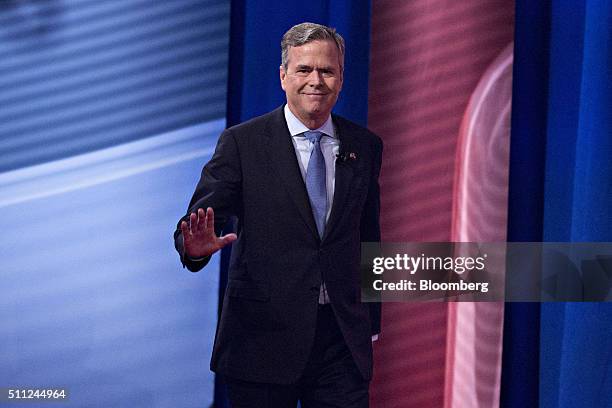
[(313, 136)]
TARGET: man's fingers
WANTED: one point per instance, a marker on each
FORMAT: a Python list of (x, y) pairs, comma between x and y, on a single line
[(193, 222), (185, 229), (210, 218), (199, 234), (201, 220)]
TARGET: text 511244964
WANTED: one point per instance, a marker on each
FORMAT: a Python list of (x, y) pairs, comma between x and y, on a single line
[(15, 394)]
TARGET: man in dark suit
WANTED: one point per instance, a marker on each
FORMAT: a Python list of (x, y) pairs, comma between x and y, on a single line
[(303, 184)]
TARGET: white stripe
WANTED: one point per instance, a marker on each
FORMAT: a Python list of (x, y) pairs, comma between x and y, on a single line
[(109, 164)]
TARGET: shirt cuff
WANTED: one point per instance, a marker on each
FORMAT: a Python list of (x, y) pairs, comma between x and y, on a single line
[(195, 259), (374, 338)]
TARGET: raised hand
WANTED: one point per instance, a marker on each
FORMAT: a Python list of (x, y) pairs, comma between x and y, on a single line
[(199, 238)]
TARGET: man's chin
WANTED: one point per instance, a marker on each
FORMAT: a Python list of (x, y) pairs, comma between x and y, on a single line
[(316, 110), (317, 115)]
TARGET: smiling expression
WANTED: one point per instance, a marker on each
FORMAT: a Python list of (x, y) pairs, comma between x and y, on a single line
[(312, 81)]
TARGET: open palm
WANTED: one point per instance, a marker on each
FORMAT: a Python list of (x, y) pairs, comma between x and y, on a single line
[(199, 238)]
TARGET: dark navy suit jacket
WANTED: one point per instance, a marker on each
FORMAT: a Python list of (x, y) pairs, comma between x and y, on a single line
[(268, 319)]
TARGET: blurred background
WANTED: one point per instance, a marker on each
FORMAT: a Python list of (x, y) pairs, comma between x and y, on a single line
[(496, 121), (107, 111)]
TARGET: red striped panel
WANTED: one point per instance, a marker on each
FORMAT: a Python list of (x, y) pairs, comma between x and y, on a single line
[(427, 57)]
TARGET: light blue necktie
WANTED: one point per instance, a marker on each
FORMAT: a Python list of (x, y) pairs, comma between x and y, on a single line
[(316, 181)]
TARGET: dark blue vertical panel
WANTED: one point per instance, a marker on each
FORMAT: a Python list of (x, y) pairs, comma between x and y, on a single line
[(529, 114), (520, 358), (354, 24)]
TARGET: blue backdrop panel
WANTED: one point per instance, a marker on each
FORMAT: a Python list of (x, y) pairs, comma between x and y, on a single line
[(93, 297), (80, 75), (561, 170), (577, 371), (257, 29)]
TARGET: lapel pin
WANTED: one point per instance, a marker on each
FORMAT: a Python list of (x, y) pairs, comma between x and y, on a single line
[(346, 156)]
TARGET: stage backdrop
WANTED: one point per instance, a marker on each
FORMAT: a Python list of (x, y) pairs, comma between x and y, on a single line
[(107, 112), (560, 355)]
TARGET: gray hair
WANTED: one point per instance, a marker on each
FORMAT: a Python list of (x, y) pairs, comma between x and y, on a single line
[(306, 32)]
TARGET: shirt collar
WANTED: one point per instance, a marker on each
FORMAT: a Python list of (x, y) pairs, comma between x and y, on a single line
[(297, 128)]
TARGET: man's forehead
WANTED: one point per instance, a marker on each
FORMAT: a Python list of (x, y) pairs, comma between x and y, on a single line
[(304, 51)]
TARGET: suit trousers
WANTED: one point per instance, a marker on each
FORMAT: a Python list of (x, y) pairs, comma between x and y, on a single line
[(330, 379)]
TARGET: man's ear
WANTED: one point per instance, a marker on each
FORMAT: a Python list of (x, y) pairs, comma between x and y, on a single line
[(282, 75)]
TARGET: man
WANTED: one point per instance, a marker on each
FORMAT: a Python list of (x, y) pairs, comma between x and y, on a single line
[(304, 186)]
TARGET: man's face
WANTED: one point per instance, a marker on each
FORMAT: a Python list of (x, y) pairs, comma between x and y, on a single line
[(312, 81)]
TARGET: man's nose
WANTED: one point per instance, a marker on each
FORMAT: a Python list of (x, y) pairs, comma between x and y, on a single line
[(315, 78)]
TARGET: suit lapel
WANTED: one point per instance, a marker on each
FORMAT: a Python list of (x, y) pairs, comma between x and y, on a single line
[(344, 176), (281, 154)]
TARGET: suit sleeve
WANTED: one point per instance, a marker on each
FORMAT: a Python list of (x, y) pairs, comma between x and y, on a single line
[(219, 188), (370, 221)]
